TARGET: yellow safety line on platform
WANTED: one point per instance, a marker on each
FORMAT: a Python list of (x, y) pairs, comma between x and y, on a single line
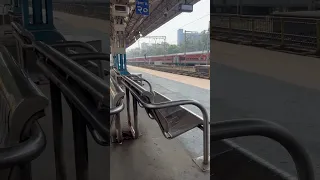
[(198, 82)]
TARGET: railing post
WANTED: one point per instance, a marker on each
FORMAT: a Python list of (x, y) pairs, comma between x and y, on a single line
[(229, 23), (135, 117), (128, 112), (57, 126), (252, 30), (318, 36), (282, 32)]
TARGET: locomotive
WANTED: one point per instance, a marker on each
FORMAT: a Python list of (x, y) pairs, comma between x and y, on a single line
[(187, 59)]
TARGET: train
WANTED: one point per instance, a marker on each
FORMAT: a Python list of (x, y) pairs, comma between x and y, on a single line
[(187, 59)]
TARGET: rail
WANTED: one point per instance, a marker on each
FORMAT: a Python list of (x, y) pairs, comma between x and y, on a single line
[(117, 105), (299, 35), (85, 91), (25, 151), (250, 127)]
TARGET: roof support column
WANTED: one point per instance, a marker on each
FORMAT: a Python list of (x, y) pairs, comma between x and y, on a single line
[(118, 46)]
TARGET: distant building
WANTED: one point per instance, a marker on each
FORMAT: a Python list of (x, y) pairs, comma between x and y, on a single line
[(180, 36), (194, 36)]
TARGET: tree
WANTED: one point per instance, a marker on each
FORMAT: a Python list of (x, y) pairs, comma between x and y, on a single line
[(173, 49)]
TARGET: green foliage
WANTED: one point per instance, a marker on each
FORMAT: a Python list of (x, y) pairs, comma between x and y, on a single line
[(173, 49)]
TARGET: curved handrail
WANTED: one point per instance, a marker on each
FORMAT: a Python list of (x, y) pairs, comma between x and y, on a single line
[(70, 44), (87, 80), (142, 79), (249, 127), (17, 27), (89, 112), (25, 151), (117, 109), (97, 137)]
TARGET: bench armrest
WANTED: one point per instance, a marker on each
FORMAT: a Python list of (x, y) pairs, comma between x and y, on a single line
[(25, 151), (117, 109), (250, 127)]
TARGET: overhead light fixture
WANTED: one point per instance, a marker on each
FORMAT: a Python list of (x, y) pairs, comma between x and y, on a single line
[(186, 8)]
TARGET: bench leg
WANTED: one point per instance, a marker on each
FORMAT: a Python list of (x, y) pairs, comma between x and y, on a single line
[(135, 117), (128, 112), (203, 161), (119, 129)]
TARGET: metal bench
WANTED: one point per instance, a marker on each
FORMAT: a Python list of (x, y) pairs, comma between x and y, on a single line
[(21, 105), (116, 105), (172, 118)]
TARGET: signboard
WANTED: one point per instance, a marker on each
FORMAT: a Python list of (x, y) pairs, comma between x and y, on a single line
[(142, 7)]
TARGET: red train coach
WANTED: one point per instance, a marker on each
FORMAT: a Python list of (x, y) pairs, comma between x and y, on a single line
[(190, 58)]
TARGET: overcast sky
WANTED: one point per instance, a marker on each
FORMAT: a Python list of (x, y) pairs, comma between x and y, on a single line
[(198, 20)]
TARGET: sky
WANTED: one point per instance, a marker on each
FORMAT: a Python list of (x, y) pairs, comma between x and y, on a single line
[(198, 20)]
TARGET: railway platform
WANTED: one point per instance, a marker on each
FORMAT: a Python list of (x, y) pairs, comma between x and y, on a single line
[(281, 87)]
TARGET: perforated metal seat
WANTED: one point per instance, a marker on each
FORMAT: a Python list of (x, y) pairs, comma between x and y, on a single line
[(176, 120)]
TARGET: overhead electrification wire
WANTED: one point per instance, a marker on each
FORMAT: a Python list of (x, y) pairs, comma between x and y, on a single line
[(195, 20)]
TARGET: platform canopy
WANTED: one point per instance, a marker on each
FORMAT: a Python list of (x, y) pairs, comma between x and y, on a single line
[(160, 12), (146, 24)]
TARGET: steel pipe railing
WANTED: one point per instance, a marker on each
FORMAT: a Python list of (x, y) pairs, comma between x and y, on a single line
[(251, 127), (25, 151), (84, 77)]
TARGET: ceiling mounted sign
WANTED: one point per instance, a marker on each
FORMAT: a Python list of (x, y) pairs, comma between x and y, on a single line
[(142, 7)]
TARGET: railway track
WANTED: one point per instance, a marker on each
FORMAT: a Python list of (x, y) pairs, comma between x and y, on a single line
[(170, 69), (290, 43)]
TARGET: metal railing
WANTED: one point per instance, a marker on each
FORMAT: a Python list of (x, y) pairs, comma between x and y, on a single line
[(299, 33), (24, 140), (257, 127), (86, 92)]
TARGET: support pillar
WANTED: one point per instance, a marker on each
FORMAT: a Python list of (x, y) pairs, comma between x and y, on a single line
[(120, 64), (118, 44), (40, 24)]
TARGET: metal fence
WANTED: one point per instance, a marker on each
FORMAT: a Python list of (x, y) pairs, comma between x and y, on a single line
[(285, 32)]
